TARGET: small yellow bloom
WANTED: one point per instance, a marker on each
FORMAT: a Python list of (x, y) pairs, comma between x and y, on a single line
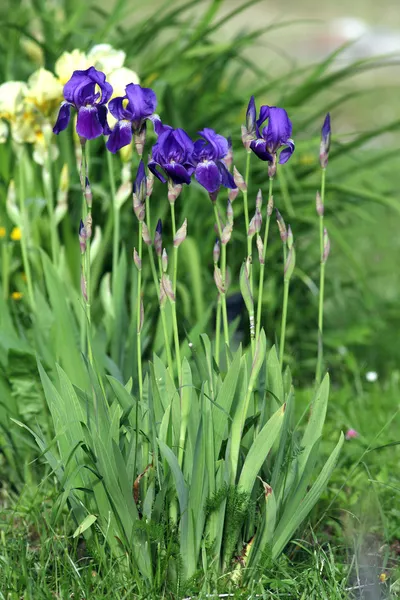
[(3, 232), (70, 62), (382, 577), (16, 295), (16, 234)]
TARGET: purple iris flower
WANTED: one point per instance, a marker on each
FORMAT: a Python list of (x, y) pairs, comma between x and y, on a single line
[(275, 135), (88, 92), (208, 155), (131, 112), (173, 154)]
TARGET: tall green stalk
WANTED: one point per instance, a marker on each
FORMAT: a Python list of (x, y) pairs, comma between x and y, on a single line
[(321, 280), (24, 230), (175, 251), (47, 175), (283, 322), (223, 275), (262, 265), (87, 220), (116, 219), (245, 202), (138, 316), (5, 268)]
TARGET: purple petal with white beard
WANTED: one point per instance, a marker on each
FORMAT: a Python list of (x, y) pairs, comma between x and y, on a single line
[(208, 175), (88, 125), (259, 148), (286, 152), (120, 136)]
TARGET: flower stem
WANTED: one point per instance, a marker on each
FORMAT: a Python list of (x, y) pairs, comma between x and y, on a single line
[(116, 220), (87, 215), (218, 329), (175, 266), (177, 347), (24, 228), (262, 266), (48, 187), (223, 275), (138, 317), (245, 203), (5, 268), (283, 324), (321, 285)]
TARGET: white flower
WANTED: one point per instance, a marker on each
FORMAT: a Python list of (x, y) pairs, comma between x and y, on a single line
[(3, 131), (120, 78), (70, 62), (106, 58), (371, 376)]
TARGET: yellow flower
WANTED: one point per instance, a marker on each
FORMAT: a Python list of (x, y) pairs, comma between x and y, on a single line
[(3, 232), (16, 234), (16, 295), (44, 91), (11, 96), (70, 62), (106, 58), (120, 78), (382, 577)]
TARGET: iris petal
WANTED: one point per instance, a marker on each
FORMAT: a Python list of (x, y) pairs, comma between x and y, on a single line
[(120, 136), (177, 173), (153, 168), (259, 148), (286, 152), (63, 118), (208, 175), (88, 124), (226, 177)]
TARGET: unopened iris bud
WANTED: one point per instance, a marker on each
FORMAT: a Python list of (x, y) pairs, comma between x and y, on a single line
[(259, 200), (325, 142), (226, 234), (282, 226), (88, 226), (174, 189), (239, 180), (258, 220), (137, 260), (146, 234), (216, 251), (82, 237), (289, 237), (245, 288), (163, 295), (272, 166), (213, 196), (232, 194), (167, 285), (180, 235), (327, 246), (270, 206), (260, 248), (150, 183), (319, 205), (229, 213), (140, 139), (164, 260), (290, 264), (158, 238), (228, 158), (249, 131), (88, 193), (218, 280), (139, 192)]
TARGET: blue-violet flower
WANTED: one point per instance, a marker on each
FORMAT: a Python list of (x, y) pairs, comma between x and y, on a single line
[(173, 154), (88, 92), (275, 135), (131, 112), (208, 155)]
